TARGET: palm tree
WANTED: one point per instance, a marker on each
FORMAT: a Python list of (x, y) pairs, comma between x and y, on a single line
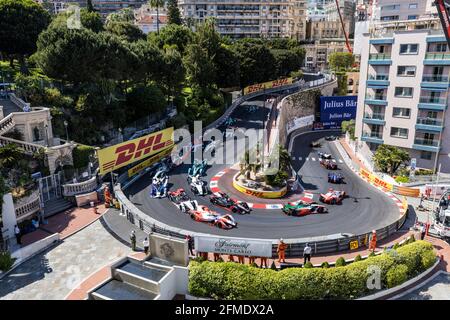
[(156, 4)]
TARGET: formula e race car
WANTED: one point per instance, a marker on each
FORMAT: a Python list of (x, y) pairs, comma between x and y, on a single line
[(328, 164), (178, 196), (332, 196), (330, 138), (158, 187), (335, 178), (187, 206), (204, 214), (323, 155), (315, 144), (301, 208), (198, 186), (223, 200)]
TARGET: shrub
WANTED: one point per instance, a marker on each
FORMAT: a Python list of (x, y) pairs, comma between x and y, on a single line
[(236, 281), (308, 265), (402, 179), (6, 261), (397, 275), (371, 254), (357, 258), (396, 246), (325, 265), (81, 156), (340, 262), (273, 266)]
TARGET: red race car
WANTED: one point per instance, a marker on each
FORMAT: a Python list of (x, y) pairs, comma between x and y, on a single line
[(178, 196), (204, 214), (328, 164), (332, 197)]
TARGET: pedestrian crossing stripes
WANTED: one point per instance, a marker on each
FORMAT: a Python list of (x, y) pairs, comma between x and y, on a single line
[(313, 159)]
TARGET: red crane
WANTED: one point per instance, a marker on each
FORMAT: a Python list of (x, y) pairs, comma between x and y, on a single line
[(443, 11), (347, 42)]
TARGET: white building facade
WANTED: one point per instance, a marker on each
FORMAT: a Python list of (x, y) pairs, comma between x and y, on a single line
[(403, 96)]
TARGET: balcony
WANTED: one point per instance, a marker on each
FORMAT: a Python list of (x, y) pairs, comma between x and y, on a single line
[(432, 103), (437, 58), (378, 81), (434, 82), (382, 41), (374, 118), (438, 38), (376, 99), (380, 59), (426, 145), (374, 137), (429, 124)]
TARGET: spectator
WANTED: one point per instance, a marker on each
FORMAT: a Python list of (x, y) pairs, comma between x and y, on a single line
[(423, 231), (281, 250), (18, 234), (241, 259), (263, 262), (307, 253), (35, 223), (190, 244), (251, 260), (146, 245), (373, 241), (230, 258), (133, 240)]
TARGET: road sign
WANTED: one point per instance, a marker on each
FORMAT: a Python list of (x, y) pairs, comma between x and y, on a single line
[(354, 245)]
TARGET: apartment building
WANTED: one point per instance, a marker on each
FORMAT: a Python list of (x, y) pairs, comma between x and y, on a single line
[(316, 30), (394, 10), (146, 18), (403, 95), (316, 57), (254, 18)]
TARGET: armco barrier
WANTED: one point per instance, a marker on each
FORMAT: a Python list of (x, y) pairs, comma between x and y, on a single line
[(320, 245)]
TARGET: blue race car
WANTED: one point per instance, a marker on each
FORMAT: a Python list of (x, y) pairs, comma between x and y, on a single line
[(335, 177)]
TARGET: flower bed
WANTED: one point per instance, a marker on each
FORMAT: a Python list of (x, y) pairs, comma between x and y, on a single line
[(228, 280)]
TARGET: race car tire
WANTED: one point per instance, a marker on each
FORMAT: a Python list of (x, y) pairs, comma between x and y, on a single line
[(333, 201), (234, 210)]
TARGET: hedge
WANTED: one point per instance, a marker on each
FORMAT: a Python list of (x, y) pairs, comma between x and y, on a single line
[(80, 156), (230, 280)]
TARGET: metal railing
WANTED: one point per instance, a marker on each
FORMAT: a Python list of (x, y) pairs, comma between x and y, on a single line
[(437, 56), (434, 78), (375, 116), (426, 142), (375, 97), (429, 121), (376, 135), (378, 76), (432, 100), (379, 56)]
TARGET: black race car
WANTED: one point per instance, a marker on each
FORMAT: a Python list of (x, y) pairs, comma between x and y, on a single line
[(178, 196), (223, 200), (330, 138)]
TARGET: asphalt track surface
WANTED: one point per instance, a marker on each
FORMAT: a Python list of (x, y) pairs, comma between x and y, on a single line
[(367, 208)]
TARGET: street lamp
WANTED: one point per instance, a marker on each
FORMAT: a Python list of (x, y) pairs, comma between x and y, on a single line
[(46, 134), (67, 132)]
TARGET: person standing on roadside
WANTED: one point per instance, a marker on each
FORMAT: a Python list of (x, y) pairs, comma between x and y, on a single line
[(133, 240), (18, 234), (190, 244), (307, 253), (281, 250), (263, 262), (146, 245)]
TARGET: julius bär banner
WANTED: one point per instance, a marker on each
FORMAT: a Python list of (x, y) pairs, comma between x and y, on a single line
[(124, 153), (267, 85), (148, 162), (233, 246)]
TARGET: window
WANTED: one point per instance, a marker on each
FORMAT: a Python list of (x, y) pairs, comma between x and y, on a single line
[(391, 7), (412, 17), (413, 5), (426, 155), (410, 48), (403, 92), (406, 71), (401, 113), (399, 133), (441, 47), (389, 18)]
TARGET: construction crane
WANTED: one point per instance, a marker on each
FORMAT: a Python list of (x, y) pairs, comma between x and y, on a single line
[(347, 42), (443, 7)]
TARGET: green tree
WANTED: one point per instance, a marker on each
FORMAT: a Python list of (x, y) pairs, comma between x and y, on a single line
[(156, 4), (286, 61), (199, 68), (21, 21), (173, 73), (227, 67), (90, 6), (207, 37), (125, 30), (389, 158), (10, 155), (349, 126), (123, 15), (172, 35), (147, 62), (143, 101), (89, 20), (341, 61), (173, 12)]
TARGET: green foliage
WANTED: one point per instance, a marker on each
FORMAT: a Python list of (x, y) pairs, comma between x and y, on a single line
[(173, 13), (81, 156), (357, 258), (143, 101), (199, 68), (402, 179), (239, 282), (6, 261), (349, 126), (341, 61), (325, 265), (296, 74), (389, 158), (172, 35), (127, 31), (10, 155), (424, 172), (308, 265), (122, 15), (372, 254), (286, 61), (340, 262), (396, 246), (342, 84)]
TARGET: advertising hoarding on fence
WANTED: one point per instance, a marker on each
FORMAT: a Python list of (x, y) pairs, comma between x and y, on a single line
[(234, 246), (122, 154), (335, 109), (298, 123), (267, 85)]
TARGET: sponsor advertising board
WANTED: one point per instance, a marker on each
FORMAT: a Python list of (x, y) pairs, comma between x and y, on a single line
[(372, 178), (298, 123), (335, 109), (152, 160), (122, 154), (267, 85), (234, 246)]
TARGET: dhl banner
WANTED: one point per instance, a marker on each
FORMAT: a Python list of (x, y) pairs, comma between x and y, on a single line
[(267, 85), (370, 177), (146, 163), (122, 154)]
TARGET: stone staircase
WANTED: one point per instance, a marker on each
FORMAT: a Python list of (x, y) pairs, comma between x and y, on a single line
[(132, 280), (55, 206), (6, 124)]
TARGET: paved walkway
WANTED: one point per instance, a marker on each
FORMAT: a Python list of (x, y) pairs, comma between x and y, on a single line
[(58, 270), (436, 288)]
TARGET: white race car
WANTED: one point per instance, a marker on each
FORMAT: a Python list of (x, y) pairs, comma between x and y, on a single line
[(323, 155), (187, 206), (198, 186)]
